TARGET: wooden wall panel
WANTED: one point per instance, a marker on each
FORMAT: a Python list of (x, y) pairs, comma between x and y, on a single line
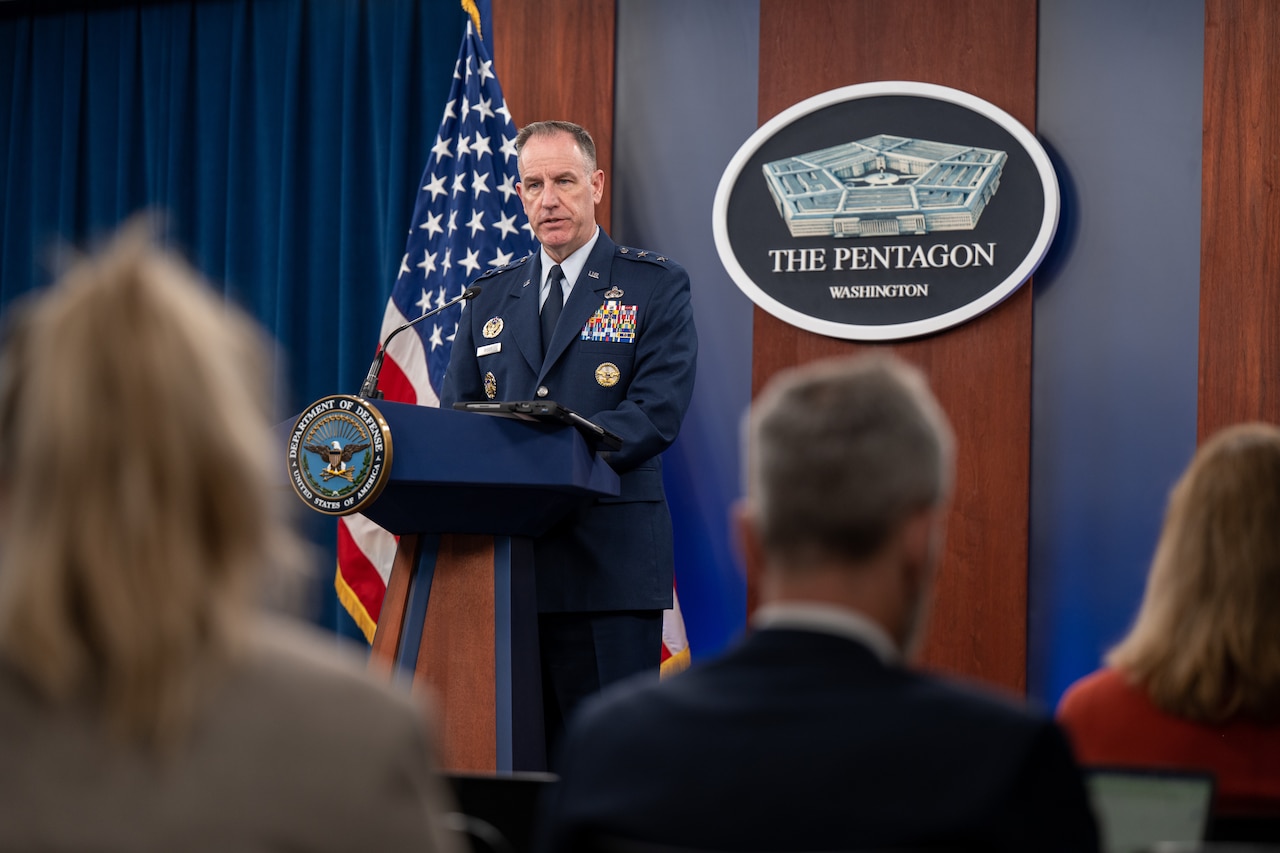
[(981, 371), (1240, 210), (555, 60)]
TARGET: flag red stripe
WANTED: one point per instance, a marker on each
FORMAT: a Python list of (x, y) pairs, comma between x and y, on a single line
[(394, 384), (360, 574)]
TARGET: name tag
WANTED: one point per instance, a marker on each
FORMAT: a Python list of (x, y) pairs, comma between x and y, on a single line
[(488, 349)]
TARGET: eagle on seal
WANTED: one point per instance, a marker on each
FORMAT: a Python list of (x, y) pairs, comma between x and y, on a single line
[(336, 455)]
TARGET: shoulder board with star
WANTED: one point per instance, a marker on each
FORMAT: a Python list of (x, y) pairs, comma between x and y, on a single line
[(642, 255), (504, 268)]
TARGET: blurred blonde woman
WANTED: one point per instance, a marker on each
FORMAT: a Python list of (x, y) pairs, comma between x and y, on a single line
[(1196, 683), (144, 702)]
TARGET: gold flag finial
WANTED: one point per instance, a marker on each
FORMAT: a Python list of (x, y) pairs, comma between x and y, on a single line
[(470, 7)]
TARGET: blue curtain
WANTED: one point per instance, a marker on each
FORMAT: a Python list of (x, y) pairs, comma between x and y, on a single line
[(280, 140)]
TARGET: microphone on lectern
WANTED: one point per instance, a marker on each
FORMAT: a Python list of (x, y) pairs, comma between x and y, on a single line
[(369, 390)]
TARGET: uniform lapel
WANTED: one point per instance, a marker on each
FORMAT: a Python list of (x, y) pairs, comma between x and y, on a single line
[(525, 328)]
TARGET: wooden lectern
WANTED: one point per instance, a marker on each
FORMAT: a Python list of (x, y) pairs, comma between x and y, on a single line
[(467, 492)]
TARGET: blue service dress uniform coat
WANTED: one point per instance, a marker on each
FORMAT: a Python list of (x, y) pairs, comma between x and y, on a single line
[(623, 355)]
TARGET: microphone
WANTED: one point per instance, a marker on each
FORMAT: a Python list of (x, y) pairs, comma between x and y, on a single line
[(369, 390)]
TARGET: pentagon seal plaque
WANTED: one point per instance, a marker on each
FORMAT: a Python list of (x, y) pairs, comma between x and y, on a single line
[(885, 211)]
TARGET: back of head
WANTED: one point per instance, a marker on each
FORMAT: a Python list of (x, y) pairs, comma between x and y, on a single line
[(138, 500), (1206, 642), (842, 451)]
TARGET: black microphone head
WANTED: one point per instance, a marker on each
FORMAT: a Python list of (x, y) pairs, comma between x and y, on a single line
[(471, 292)]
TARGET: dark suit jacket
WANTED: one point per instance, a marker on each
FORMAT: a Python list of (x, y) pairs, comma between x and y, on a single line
[(804, 741), (624, 355), (294, 749)]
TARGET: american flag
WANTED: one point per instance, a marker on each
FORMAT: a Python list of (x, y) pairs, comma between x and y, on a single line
[(467, 219)]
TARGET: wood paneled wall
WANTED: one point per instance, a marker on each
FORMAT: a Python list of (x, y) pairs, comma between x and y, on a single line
[(1240, 216), (555, 60), (981, 371)]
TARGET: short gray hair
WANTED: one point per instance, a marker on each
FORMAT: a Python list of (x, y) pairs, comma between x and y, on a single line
[(840, 452), (553, 128)]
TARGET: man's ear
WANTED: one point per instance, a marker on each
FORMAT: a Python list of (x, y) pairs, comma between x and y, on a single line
[(747, 538), (597, 185), (921, 541)]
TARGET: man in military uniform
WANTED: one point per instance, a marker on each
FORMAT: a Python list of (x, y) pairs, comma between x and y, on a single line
[(607, 331)]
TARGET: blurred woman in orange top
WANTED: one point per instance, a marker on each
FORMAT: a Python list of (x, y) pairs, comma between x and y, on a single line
[(1196, 682)]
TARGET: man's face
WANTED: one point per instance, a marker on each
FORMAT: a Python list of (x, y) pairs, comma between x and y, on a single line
[(558, 193)]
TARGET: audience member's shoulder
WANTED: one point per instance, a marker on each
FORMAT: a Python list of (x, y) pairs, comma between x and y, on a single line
[(608, 727), (632, 699), (981, 701), (1102, 686), (304, 662), (279, 638), (19, 703)]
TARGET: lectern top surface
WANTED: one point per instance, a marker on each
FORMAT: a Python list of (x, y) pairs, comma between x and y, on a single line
[(544, 410)]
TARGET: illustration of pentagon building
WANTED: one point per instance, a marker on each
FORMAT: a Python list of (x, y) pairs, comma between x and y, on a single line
[(884, 185)]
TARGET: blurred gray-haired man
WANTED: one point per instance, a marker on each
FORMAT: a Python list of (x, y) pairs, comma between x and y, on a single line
[(812, 733)]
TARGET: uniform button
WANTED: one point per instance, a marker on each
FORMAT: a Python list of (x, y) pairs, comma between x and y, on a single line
[(542, 391)]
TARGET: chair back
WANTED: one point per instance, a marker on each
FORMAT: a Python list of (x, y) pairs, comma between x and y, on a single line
[(497, 811)]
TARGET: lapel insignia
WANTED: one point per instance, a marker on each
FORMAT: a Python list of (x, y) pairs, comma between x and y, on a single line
[(490, 385), (593, 274), (493, 328), (607, 374), (614, 293)]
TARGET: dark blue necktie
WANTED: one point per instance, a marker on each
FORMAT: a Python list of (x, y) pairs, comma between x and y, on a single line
[(552, 306)]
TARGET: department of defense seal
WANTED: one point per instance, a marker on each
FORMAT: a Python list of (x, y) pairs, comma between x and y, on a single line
[(490, 385), (493, 327), (607, 374), (339, 455)]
